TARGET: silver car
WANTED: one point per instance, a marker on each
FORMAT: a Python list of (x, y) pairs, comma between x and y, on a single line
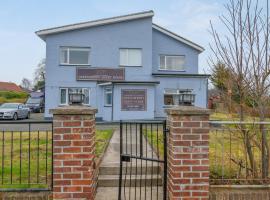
[(14, 111)]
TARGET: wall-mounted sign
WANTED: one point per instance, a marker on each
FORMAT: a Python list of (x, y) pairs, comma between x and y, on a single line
[(133, 100), (100, 74)]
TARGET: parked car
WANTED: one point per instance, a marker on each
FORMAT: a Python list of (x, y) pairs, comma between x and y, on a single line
[(36, 102), (14, 111)]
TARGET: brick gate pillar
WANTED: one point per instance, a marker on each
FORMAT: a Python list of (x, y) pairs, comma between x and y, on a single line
[(188, 153), (74, 174)]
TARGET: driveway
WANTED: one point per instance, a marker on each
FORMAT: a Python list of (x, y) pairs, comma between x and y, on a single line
[(23, 125)]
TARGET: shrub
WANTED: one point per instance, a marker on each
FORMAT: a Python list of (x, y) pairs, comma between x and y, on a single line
[(9, 96)]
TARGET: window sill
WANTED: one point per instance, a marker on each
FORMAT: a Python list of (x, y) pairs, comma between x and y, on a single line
[(62, 105), (74, 65), (129, 66), (169, 106), (167, 70), (107, 106)]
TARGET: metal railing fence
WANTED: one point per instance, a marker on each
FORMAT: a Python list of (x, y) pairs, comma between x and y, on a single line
[(25, 155), (239, 152)]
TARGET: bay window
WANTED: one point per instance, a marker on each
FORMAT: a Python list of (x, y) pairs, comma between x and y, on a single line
[(173, 63), (74, 55)]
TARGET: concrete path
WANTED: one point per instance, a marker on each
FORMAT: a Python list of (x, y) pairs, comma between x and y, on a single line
[(109, 171)]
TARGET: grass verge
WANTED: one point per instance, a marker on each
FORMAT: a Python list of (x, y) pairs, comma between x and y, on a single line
[(14, 158)]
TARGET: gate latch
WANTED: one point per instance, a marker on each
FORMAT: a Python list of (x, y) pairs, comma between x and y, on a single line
[(125, 158)]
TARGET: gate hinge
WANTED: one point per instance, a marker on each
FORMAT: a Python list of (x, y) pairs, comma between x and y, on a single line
[(125, 158), (167, 130)]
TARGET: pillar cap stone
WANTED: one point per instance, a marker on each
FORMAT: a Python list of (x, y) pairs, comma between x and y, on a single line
[(187, 110), (73, 110)]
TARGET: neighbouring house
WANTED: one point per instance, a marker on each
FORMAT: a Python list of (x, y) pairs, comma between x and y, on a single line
[(9, 86), (126, 66)]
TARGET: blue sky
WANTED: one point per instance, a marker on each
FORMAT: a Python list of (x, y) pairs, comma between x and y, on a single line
[(21, 49)]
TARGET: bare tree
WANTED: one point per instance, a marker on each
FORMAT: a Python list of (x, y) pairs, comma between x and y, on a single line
[(39, 75), (244, 49), (26, 84)]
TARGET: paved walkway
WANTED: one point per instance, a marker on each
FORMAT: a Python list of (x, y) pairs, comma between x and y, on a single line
[(110, 169)]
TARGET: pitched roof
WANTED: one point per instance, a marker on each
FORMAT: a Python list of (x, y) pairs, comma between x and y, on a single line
[(42, 33), (8, 86), (178, 37), (70, 27)]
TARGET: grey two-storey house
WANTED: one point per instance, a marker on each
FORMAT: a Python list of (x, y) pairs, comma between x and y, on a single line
[(126, 66)]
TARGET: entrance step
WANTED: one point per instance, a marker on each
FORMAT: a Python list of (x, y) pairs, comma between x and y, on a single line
[(112, 193), (144, 180), (114, 170)]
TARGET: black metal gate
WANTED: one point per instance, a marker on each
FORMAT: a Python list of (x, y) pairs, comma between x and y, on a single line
[(143, 160)]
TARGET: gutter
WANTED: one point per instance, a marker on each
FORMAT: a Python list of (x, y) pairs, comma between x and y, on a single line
[(181, 75)]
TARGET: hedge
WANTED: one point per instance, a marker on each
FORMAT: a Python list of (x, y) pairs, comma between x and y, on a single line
[(9, 96)]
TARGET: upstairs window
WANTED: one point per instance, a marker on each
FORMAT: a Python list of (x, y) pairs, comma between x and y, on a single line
[(131, 57), (74, 55), (173, 63)]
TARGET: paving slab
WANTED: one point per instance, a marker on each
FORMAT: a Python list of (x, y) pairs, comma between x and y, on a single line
[(109, 170), (104, 193), (130, 146)]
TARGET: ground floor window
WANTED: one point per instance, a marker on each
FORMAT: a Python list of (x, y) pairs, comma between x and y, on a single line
[(170, 97), (108, 96), (178, 96), (64, 95)]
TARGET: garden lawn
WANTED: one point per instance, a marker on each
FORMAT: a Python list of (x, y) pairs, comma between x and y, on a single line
[(228, 160), (17, 154), (219, 116)]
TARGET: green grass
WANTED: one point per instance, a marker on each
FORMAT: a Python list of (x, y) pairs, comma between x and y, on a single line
[(102, 138), (12, 160), (226, 152), (155, 139), (223, 116), (220, 116), (38, 157)]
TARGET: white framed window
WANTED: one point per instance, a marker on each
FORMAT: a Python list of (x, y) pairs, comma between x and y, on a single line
[(74, 55), (64, 95), (174, 63), (131, 57), (108, 96), (170, 97), (173, 96)]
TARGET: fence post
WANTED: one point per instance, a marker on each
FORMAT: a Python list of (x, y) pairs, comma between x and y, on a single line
[(188, 153), (74, 173)]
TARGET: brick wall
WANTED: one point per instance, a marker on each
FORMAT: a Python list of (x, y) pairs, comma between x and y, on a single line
[(188, 149), (239, 192), (74, 173)]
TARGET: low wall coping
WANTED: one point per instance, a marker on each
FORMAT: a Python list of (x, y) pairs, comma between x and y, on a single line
[(73, 110), (187, 110), (240, 186)]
